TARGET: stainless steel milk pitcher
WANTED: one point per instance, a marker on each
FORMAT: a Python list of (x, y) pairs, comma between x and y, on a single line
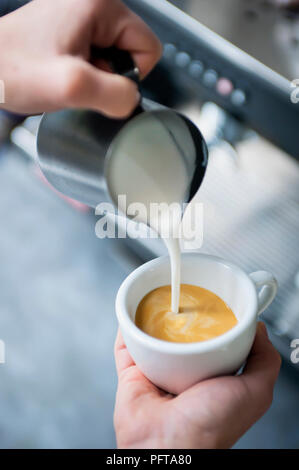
[(73, 145)]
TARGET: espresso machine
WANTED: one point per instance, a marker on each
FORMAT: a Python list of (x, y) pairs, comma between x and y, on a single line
[(231, 67), (242, 55)]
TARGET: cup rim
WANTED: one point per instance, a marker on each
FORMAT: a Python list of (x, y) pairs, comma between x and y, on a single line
[(126, 323)]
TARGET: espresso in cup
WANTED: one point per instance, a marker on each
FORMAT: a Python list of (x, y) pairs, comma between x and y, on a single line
[(176, 366), (202, 315)]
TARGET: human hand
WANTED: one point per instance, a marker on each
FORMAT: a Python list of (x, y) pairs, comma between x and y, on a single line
[(45, 62), (212, 414)]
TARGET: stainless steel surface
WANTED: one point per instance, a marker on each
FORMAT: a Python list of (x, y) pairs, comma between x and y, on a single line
[(73, 147), (71, 153), (257, 27)]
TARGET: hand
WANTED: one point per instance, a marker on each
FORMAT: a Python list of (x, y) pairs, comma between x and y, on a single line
[(211, 414), (45, 62)]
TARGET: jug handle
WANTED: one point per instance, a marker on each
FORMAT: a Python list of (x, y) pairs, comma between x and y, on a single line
[(120, 61)]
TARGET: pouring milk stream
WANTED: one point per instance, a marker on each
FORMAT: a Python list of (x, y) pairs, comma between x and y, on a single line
[(147, 165)]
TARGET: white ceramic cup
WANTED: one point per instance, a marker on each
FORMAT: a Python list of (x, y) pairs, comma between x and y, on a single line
[(174, 367)]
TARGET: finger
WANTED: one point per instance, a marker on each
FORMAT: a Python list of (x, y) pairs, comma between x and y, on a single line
[(84, 86), (232, 404), (262, 369), (123, 359), (263, 358), (132, 384), (119, 341), (125, 30), (144, 46)]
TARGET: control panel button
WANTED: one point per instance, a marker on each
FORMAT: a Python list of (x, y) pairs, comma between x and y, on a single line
[(224, 86), (210, 78), (238, 97), (182, 59), (169, 51), (196, 69)]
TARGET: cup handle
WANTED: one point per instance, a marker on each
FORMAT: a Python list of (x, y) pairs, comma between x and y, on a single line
[(266, 286)]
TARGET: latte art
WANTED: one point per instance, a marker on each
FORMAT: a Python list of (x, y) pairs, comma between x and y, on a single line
[(202, 315)]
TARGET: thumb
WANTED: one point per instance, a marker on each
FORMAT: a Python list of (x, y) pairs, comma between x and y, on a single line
[(85, 86)]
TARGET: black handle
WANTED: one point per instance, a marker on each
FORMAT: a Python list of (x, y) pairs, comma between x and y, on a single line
[(120, 61)]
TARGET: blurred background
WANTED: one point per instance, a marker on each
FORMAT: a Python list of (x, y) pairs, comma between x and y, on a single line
[(229, 69)]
